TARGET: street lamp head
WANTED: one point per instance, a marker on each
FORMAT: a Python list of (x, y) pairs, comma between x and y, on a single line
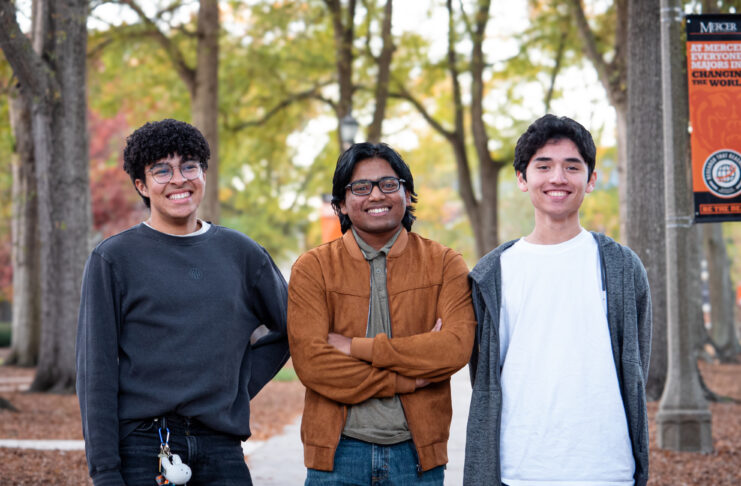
[(348, 129)]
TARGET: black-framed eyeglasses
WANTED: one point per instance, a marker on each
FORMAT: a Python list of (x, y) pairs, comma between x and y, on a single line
[(162, 173), (387, 185)]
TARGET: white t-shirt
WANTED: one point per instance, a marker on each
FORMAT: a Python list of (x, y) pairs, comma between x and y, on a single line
[(563, 421)]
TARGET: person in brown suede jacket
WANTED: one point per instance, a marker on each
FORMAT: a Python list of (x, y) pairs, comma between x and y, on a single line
[(378, 321)]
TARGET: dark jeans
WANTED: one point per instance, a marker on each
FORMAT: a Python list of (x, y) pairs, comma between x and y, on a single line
[(358, 463), (214, 458)]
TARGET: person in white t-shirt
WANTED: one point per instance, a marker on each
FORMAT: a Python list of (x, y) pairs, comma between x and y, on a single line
[(563, 339)]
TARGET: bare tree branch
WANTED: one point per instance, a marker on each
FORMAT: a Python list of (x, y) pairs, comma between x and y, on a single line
[(406, 95), (556, 69), (187, 73), (466, 20), (590, 43), (28, 66), (312, 93)]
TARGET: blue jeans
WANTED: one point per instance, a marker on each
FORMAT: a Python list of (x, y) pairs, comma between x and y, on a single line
[(358, 463), (214, 458)]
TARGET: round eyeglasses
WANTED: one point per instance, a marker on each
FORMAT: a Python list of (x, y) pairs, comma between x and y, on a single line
[(162, 173), (387, 185)]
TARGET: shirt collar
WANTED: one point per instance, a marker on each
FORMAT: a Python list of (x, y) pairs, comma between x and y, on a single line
[(368, 251)]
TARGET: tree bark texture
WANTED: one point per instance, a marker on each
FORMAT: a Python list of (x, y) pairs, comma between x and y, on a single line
[(343, 22), (205, 101), (26, 324), (384, 75), (53, 76), (645, 174), (722, 295), (488, 168)]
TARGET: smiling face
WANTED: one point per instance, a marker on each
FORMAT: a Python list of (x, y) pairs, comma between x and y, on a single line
[(377, 216), (557, 180), (173, 204)]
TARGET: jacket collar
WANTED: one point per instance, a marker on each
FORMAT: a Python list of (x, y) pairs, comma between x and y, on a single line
[(353, 249)]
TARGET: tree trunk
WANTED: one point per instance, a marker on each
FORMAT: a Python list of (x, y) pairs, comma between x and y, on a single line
[(51, 73), (344, 32), (488, 168), (26, 323), (621, 129), (205, 101), (722, 295), (645, 174), (384, 74)]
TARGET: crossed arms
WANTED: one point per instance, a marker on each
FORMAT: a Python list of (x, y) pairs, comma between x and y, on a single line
[(378, 366)]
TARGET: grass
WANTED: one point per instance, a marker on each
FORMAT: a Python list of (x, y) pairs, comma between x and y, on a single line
[(4, 334), (286, 374)]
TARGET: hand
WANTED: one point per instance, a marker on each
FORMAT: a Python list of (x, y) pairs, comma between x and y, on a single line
[(340, 342), (421, 383)]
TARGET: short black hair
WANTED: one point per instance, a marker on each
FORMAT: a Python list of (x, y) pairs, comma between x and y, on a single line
[(157, 140), (358, 153), (548, 128)]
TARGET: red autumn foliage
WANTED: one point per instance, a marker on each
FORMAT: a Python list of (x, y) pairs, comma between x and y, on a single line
[(115, 203)]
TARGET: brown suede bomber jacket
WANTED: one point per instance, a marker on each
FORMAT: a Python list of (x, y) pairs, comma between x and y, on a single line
[(329, 291)]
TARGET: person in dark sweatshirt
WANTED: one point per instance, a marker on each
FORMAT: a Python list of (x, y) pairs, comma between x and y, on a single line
[(167, 354), (563, 342)]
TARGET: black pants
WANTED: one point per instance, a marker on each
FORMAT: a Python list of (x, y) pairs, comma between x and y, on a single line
[(213, 457)]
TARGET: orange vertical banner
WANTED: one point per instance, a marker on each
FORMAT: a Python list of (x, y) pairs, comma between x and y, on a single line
[(714, 72)]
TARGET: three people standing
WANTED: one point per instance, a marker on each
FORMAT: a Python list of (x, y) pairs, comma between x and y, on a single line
[(378, 321)]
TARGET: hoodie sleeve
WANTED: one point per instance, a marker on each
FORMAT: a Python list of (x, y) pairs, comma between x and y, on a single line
[(644, 318)]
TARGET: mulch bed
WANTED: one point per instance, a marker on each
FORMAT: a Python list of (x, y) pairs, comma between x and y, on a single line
[(48, 416), (280, 403)]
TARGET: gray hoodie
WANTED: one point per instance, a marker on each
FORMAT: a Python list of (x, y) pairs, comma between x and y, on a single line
[(629, 320)]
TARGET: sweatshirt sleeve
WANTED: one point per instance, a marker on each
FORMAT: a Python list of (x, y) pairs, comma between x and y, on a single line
[(270, 352), (318, 364), (434, 356), (97, 369)]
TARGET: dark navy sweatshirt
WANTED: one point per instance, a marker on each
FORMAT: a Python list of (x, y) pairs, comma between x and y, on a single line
[(164, 328)]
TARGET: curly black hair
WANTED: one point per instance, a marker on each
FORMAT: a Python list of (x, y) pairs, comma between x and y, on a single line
[(157, 140), (550, 127), (358, 153)]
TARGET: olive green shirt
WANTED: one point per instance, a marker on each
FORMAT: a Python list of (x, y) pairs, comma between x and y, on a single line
[(377, 420)]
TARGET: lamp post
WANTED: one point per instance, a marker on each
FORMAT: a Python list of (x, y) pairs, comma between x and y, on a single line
[(683, 421), (348, 129)]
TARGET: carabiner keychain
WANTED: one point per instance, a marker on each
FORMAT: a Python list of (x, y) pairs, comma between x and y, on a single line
[(175, 472)]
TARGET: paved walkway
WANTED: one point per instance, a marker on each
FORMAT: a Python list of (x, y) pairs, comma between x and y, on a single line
[(279, 460)]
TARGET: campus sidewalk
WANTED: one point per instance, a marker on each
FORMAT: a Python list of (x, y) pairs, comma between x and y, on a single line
[(279, 460)]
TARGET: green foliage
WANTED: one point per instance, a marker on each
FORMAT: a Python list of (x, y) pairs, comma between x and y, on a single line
[(286, 374), (277, 78), (132, 74), (5, 334)]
